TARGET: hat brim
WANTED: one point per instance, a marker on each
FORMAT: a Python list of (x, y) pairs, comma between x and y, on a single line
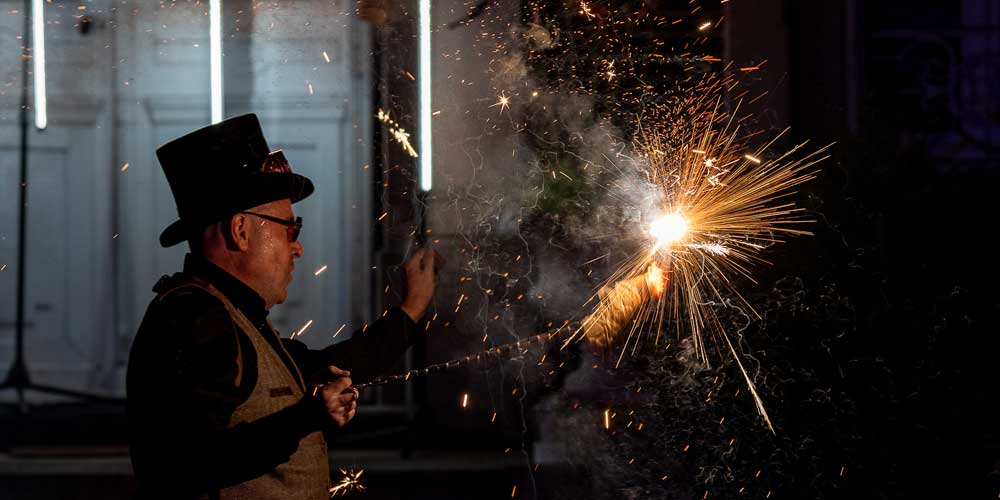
[(258, 189)]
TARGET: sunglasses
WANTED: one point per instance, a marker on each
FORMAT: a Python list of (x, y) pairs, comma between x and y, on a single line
[(292, 228)]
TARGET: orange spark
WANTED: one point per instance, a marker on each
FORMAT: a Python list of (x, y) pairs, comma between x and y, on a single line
[(299, 332), (503, 101)]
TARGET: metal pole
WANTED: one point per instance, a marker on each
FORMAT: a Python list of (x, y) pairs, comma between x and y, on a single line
[(18, 373)]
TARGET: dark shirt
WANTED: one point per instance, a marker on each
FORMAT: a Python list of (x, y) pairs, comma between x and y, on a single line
[(191, 367)]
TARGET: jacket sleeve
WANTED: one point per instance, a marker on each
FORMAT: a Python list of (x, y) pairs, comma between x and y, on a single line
[(367, 354), (202, 375)]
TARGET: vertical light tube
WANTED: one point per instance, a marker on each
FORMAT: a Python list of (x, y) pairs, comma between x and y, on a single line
[(38, 61), (426, 155), (215, 46)]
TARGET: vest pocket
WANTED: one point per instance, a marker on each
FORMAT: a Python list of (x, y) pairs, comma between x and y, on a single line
[(277, 392)]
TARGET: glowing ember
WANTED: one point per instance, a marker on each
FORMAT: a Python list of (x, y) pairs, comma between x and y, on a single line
[(351, 482), (503, 101), (398, 133)]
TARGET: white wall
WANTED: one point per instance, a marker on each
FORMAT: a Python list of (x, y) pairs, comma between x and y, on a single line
[(93, 228)]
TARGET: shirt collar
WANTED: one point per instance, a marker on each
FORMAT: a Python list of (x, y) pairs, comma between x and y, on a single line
[(248, 301)]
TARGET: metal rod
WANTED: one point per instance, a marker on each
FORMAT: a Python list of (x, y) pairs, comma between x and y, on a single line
[(18, 374), (497, 352)]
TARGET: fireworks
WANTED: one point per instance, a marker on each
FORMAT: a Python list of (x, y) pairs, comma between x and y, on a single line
[(351, 482), (711, 205), (718, 208)]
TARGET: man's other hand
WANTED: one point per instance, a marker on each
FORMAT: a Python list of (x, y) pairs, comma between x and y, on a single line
[(421, 278), (340, 400)]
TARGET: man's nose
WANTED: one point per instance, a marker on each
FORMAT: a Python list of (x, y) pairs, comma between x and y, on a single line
[(297, 249)]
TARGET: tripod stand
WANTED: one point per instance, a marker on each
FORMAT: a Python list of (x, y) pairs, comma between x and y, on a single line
[(18, 377)]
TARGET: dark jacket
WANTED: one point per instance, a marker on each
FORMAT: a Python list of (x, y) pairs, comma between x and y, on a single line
[(191, 367)]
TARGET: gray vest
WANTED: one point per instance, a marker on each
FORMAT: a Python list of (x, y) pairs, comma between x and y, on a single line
[(306, 475)]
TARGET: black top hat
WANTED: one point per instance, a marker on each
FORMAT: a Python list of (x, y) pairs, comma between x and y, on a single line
[(223, 169)]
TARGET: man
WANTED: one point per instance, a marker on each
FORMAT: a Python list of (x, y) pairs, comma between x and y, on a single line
[(220, 405)]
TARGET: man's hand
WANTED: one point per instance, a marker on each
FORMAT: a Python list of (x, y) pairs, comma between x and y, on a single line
[(340, 400), (421, 274)]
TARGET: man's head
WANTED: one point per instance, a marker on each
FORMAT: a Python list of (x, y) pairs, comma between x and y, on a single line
[(255, 247), (223, 169), (234, 202)]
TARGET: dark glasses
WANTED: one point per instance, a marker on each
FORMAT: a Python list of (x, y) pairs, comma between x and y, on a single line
[(292, 228)]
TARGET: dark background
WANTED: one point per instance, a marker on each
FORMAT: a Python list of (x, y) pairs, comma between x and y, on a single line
[(880, 339)]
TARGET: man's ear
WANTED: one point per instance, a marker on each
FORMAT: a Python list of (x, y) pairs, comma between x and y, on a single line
[(238, 234)]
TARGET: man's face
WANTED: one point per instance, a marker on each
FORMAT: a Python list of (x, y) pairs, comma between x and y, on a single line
[(272, 256)]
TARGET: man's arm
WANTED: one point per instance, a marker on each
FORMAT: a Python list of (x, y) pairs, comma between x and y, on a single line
[(366, 354), (372, 352)]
